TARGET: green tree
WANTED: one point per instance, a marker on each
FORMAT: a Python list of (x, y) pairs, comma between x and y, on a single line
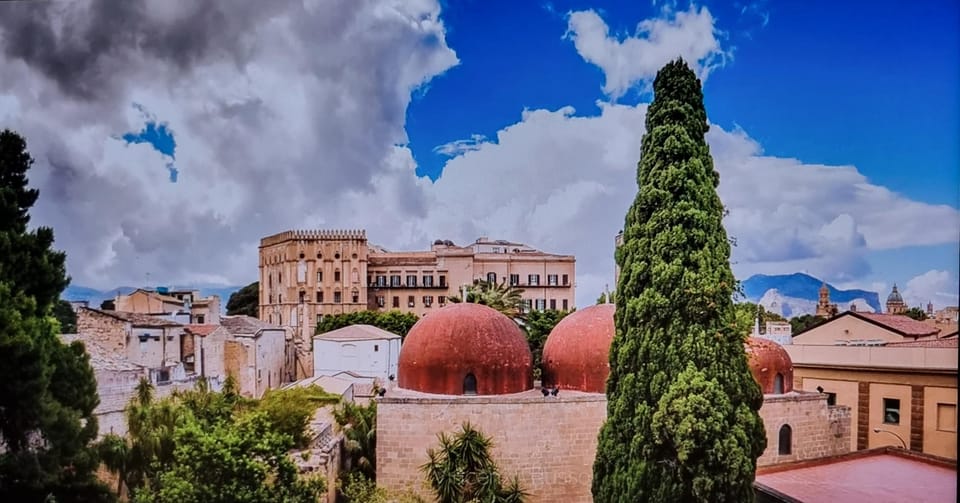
[(245, 301), (396, 322), (462, 470), (505, 298), (682, 421), (244, 461), (66, 316), (290, 410), (47, 389), (358, 423), (916, 313), (745, 314), (537, 328), (803, 322)]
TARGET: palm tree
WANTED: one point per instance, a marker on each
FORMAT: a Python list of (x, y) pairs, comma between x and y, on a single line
[(505, 298), (358, 424), (461, 470)]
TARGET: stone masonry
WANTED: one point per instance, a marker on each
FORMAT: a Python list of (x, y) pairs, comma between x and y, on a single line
[(817, 430), (549, 442)]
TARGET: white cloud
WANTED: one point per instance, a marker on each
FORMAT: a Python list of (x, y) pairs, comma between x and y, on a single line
[(564, 183), (690, 34), (937, 286)]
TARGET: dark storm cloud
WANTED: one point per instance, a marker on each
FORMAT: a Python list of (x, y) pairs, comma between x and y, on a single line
[(99, 40)]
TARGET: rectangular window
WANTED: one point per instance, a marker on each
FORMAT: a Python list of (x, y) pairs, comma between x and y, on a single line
[(319, 319), (411, 302), (336, 276), (565, 305), (396, 301), (514, 279), (428, 281), (427, 300), (303, 297), (319, 297), (376, 348), (200, 319), (831, 398), (947, 417), (551, 279), (525, 306), (337, 298), (566, 280), (319, 277), (356, 298), (541, 304), (533, 279), (395, 280), (443, 281), (441, 300), (381, 300), (411, 281), (381, 280), (496, 249), (270, 297), (891, 411), (492, 277), (553, 304), (279, 278)]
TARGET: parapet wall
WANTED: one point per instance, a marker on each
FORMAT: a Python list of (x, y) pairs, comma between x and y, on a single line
[(319, 234), (816, 429), (549, 442)]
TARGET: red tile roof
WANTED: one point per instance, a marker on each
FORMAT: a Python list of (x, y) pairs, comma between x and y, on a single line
[(903, 325), (201, 330), (881, 476)]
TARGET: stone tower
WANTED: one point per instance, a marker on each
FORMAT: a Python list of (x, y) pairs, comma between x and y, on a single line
[(824, 308), (895, 303)]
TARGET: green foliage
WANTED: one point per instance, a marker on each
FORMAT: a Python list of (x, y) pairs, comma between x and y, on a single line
[(47, 388), (241, 461), (745, 314), (462, 470), (392, 321), (245, 301), (358, 423), (916, 313), (803, 322), (289, 411), (505, 298), (355, 488), (682, 421), (537, 327), (66, 316), (606, 298)]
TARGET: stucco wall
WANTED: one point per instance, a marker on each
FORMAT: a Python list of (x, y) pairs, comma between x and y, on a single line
[(940, 433), (369, 358), (549, 442), (845, 328), (816, 429)]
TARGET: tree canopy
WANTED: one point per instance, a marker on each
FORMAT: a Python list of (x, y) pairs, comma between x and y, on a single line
[(47, 389), (500, 296), (745, 314), (396, 322), (682, 421), (537, 327), (245, 301), (916, 313)]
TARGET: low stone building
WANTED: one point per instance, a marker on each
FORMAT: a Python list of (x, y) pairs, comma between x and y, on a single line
[(470, 363), (256, 355), (148, 341), (364, 350), (188, 305)]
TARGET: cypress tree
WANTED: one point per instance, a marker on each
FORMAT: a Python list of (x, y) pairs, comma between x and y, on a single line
[(682, 421)]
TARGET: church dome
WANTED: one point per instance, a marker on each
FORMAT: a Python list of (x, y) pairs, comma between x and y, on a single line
[(576, 355), (465, 349), (894, 295), (770, 365)]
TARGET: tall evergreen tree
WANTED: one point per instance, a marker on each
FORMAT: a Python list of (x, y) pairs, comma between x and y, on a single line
[(682, 421), (47, 389)]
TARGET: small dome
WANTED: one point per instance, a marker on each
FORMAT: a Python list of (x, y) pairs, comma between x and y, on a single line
[(894, 295), (576, 355), (467, 349), (770, 365)]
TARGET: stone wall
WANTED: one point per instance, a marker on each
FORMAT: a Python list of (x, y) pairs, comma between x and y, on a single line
[(549, 442), (106, 331), (817, 430)]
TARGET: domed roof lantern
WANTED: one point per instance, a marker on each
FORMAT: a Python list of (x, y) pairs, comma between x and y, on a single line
[(895, 295)]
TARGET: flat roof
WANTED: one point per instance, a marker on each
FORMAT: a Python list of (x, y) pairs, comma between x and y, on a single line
[(876, 476)]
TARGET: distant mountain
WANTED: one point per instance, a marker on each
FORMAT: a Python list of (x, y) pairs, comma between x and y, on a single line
[(795, 294), (96, 297)]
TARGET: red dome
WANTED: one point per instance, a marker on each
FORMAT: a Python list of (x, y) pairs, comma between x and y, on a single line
[(465, 347), (576, 355), (769, 363)]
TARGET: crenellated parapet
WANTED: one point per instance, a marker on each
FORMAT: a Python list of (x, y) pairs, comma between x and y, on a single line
[(315, 234)]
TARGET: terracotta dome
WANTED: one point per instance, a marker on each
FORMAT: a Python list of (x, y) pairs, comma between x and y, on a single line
[(770, 365), (576, 355), (466, 349)]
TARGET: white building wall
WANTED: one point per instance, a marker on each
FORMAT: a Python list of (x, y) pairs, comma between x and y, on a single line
[(376, 358)]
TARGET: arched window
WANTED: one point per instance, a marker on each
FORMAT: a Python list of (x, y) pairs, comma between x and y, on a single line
[(786, 439), (778, 384), (470, 384)]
